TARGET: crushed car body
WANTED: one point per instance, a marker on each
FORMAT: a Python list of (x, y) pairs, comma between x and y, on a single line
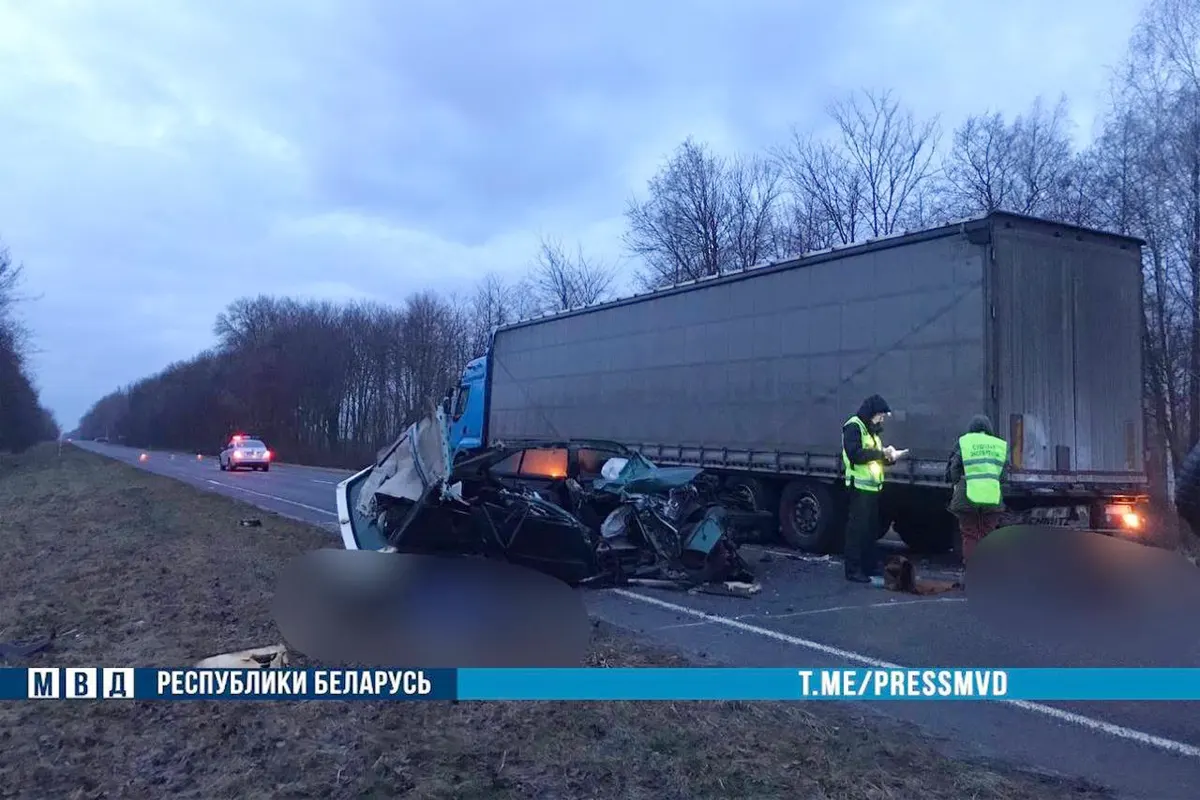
[(634, 523)]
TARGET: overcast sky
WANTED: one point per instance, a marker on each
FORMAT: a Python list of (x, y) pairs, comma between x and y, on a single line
[(159, 158)]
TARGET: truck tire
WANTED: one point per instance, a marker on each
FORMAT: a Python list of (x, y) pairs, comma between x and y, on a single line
[(928, 531), (1187, 491), (812, 516)]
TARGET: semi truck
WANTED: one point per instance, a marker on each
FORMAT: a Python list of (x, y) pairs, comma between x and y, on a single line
[(752, 374)]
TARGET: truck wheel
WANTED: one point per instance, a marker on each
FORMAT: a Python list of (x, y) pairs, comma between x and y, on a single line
[(931, 531), (811, 516)]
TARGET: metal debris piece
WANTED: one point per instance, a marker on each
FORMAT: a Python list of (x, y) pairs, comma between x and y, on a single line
[(730, 589), (899, 575), (251, 523), (10, 650), (272, 657)]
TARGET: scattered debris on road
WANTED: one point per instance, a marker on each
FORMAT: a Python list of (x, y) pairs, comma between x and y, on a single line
[(171, 557), (899, 575), (10, 651), (274, 657), (252, 522)]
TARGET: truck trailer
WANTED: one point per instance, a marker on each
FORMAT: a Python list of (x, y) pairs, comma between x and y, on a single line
[(752, 374)]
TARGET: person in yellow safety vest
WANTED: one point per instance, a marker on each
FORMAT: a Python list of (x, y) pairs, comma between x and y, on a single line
[(977, 469), (863, 460)]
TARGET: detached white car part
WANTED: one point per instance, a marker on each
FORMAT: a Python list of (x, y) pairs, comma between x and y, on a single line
[(409, 469)]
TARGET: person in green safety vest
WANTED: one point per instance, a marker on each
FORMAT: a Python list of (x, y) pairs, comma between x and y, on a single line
[(863, 459), (977, 469)]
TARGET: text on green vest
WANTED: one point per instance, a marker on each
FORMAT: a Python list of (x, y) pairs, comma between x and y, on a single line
[(867, 477), (983, 457)]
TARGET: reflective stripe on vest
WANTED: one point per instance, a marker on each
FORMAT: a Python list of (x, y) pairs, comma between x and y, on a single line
[(867, 477), (983, 458)]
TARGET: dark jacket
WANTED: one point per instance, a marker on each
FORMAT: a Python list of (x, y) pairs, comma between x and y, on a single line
[(956, 475), (852, 435)]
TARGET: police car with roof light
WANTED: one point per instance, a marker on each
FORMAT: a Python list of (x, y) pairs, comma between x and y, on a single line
[(244, 451)]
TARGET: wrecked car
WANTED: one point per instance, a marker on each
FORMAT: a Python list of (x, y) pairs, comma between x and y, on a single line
[(632, 523)]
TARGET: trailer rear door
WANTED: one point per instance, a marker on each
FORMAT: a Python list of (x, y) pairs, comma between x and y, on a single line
[(1066, 307)]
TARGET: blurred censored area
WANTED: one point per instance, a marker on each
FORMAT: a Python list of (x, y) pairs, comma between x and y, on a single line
[(1116, 597), (367, 607)]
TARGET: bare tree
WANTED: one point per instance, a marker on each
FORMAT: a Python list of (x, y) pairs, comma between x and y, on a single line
[(563, 282), (868, 182), (827, 192), (891, 152), (1165, 76), (705, 214), (1041, 158), (754, 185), (980, 170), (23, 420), (493, 304), (681, 229)]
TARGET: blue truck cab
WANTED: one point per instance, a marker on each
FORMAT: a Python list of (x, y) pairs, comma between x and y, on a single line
[(467, 410)]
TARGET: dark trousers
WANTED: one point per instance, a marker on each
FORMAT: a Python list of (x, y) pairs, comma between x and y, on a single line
[(862, 531), (975, 525)]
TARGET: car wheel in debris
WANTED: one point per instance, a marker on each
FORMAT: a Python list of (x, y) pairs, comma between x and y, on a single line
[(266, 468), (755, 492), (810, 516)]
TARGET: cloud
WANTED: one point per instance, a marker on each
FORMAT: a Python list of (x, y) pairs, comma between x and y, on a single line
[(160, 159)]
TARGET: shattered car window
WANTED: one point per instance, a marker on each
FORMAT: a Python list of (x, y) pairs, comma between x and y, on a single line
[(591, 460), (510, 465), (549, 463)]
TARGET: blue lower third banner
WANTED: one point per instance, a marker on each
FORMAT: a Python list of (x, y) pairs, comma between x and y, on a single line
[(699, 683)]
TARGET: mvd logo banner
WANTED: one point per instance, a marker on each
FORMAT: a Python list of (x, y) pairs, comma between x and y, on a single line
[(595, 683)]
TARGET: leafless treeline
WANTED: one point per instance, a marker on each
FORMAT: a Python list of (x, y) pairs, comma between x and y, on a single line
[(330, 383), (23, 420), (334, 382)]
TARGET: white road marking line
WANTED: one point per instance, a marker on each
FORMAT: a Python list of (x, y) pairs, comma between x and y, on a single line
[(273, 497), (1090, 723), (886, 604), (791, 614), (327, 483)]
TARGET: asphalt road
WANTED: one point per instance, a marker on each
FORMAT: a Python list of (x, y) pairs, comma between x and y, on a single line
[(807, 616)]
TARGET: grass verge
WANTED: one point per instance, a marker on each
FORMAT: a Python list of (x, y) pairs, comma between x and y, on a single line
[(136, 569)]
